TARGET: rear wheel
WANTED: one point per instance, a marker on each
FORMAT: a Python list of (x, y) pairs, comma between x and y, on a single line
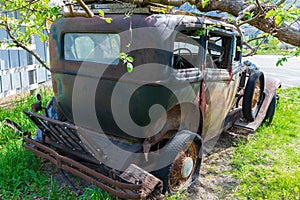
[(253, 96), (183, 149)]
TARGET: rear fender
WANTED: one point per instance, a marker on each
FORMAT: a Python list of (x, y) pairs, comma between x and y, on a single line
[(190, 119)]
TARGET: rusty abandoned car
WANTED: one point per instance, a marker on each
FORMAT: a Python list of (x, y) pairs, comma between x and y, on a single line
[(141, 133)]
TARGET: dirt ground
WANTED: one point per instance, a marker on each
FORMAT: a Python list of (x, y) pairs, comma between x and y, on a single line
[(215, 181)]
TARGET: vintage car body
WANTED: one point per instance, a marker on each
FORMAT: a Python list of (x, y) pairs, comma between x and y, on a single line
[(222, 82), (188, 65)]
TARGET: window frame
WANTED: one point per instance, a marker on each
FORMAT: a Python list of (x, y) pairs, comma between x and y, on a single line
[(229, 52), (200, 42), (116, 60)]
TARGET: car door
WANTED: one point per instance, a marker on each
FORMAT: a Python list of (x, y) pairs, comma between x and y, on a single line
[(221, 81), (187, 58)]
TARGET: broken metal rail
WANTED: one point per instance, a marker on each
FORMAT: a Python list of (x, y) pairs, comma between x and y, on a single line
[(65, 135), (58, 131)]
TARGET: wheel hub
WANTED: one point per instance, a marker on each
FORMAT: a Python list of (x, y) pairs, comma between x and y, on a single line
[(256, 95), (187, 167), (183, 167)]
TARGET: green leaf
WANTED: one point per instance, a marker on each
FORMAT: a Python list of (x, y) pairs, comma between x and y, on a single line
[(269, 14), (42, 37), (122, 56), (127, 15), (296, 189), (249, 15), (278, 20), (101, 13), (108, 20), (204, 3), (280, 61), (266, 34), (129, 59), (129, 67)]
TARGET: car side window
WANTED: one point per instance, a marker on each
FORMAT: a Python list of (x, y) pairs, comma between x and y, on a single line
[(186, 50), (93, 47), (219, 51)]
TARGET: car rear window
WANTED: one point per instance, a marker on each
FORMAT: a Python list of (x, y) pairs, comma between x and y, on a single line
[(93, 47)]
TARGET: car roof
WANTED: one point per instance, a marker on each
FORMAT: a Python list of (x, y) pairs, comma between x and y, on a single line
[(159, 15)]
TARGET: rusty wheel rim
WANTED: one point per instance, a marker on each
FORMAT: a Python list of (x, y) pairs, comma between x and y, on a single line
[(183, 167), (256, 95)]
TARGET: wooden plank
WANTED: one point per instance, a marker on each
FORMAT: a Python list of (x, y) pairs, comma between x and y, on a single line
[(151, 186)]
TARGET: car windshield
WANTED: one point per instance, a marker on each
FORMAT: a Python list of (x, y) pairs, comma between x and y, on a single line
[(93, 47)]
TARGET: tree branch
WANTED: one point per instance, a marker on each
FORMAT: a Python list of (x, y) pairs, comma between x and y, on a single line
[(290, 35), (254, 50), (257, 38), (234, 7), (25, 6), (250, 20), (261, 10), (23, 46), (280, 2), (250, 47)]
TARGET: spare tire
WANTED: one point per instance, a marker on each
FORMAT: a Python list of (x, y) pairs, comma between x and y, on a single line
[(253, 95)]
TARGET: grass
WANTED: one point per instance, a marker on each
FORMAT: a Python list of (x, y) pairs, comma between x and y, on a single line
[(22, 175), (271, 48), (268, 166), (278, 52)]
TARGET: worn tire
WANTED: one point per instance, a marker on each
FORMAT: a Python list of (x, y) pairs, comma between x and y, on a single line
[(271, 111), (253, 95), (187, 142)]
